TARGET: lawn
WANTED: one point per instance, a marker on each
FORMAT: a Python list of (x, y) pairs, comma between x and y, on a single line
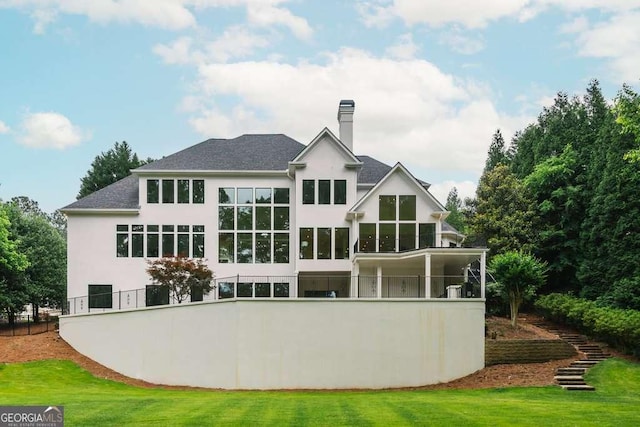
[(92, 401)]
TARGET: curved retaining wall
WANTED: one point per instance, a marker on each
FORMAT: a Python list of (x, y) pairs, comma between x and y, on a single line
[(287, 344)]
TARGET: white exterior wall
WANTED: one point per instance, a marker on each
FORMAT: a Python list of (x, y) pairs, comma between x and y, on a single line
[(92, 238), (287, 344), (324, 161)]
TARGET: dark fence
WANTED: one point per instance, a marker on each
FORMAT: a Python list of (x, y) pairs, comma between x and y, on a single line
[(25, 325)]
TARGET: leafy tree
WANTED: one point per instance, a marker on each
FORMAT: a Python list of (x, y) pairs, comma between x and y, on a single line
[(109, 167), (454, 206), (518, 274), (504, 216), (181, 275), (12, 264), (44, 280)]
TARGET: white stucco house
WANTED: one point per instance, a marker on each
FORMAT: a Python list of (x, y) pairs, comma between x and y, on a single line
[(321, 256)]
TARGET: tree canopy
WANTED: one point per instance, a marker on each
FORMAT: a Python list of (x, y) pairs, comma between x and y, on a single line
[(183, 276), (518, 274), (567, 192), (109, 167)]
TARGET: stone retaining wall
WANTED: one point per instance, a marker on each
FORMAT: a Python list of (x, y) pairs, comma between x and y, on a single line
[(526, 351)]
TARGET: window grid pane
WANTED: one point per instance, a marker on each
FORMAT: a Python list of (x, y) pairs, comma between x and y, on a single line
[(183, 191), (306, 243), (324, 192), (167, 191), (308, 192), (198, 191), (340, 192), (324, 243), (153, 191), (387, 208)]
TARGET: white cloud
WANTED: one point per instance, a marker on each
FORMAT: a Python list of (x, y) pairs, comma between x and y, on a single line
[(166, 14), (462, 43), (234, 42), (477, 13), (50, 130), (404, 48), (4, 128), (616, 39), (407, 111), (263, 14)]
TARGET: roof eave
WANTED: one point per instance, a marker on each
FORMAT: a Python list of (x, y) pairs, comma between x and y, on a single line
[(101, 211)]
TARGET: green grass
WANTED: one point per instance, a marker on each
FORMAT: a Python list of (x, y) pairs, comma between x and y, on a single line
[(93, 402)]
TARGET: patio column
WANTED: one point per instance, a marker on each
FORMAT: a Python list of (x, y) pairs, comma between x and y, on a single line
[(483, 272), (379, 282), (427, 276), (355, 273)]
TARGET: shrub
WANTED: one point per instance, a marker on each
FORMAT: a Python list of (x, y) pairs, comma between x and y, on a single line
[(618, 327)]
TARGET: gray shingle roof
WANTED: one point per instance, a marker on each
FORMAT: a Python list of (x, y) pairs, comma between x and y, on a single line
[(122, 194), (372, 170), (247, 152)]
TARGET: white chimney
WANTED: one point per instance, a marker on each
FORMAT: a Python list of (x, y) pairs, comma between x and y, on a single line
[(345, 119)]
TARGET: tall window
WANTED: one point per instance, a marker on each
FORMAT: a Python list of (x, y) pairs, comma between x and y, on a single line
[(306, 243), (137, 241), (100, 296), (308, 192), (324, 192), (407, 239), (263, 248), (153, 191), (427, 237), (340, 192), (167, 190), (387, 208), (153, 247), (407, 208), (183, 191), (198, 242), (168, 240), (226, 248), (324, 243), (341, 248), (198, 191), (245, 248), (387, 241), (183, 241), (122, 241), (281, 248), (367, 238)]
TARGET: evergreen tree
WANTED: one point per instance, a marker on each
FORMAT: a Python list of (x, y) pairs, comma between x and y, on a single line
[(497, 152), (454, 206), (109, 167)]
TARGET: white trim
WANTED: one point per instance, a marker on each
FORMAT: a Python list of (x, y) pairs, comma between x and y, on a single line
[(201, 173), (101, 211)]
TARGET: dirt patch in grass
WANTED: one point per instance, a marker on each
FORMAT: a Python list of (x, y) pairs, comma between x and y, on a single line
[(50, 345)]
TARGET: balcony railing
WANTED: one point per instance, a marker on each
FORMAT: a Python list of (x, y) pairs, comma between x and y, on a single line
[(283, 287)]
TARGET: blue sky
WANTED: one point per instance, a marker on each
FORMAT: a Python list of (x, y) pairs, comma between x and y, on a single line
[(432, 80)]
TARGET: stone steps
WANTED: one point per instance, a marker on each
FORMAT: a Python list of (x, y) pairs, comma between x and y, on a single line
[(572, 376)]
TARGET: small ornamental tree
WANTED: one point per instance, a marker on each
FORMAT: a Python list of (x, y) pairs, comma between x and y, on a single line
[(181, 275), (518, 275)]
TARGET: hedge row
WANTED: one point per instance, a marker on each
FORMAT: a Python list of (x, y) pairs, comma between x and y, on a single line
[(620, 328)]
